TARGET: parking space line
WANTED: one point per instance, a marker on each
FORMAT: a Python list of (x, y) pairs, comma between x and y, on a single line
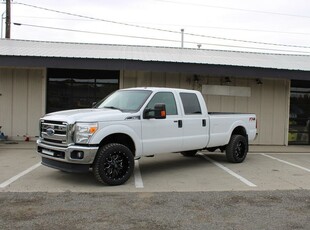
[(242, 179), (137, 175), (286, 162), (14, 178)]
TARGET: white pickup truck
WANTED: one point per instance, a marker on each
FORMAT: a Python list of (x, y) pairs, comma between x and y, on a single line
[(136, 122)]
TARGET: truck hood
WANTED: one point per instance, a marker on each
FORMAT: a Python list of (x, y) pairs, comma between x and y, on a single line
[(87, 115)]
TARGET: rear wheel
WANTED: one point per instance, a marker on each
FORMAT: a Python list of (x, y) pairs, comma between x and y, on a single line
[(114, 164), (236, 149), (190, 153)]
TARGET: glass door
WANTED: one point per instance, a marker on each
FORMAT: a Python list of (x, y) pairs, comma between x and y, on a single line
[(299, 126)]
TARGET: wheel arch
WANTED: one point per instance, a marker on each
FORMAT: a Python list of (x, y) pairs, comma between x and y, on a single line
[(120, 138), (239, 130)]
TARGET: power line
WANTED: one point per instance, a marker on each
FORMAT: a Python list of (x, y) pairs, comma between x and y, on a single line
[(93, 32), (157, 39), (176, 25), (233, 8), (246, 41), (95, 19), (52, 18), (157, 29), (239, 29)]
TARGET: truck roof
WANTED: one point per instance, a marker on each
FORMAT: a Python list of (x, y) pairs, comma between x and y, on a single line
[(161, 89)]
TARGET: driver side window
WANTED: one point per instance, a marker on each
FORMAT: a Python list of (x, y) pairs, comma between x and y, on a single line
[(168, 99)]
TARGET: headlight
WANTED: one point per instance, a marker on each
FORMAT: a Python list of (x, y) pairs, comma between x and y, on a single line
[(84, 131)]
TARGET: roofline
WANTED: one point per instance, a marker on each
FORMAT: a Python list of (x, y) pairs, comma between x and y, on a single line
[(155, 66), (159, 47)]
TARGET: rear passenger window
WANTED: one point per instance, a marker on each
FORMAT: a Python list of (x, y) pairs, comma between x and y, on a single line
[(190, 103), (168, 99)]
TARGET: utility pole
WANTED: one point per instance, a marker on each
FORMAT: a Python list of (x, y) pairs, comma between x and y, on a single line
[(8, 20), (2, 17), (182, 38)]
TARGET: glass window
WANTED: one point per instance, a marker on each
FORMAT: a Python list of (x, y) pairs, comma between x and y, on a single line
[(299, 124), (168, 99), (125, 100), (73, 89), (190, 103)]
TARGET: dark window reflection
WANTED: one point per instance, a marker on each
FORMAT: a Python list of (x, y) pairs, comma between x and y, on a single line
[(299, 126), (73, 89)]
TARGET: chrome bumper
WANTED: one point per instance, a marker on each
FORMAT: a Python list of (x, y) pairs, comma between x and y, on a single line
[(66, 154)]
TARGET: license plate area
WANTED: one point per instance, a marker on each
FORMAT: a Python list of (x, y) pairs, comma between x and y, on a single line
[(48, 152), (52, 153)]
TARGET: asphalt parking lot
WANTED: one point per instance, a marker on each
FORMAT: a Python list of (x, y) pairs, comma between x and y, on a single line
[(270, 190), (20, 171)]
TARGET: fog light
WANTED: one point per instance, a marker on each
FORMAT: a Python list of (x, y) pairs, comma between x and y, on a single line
[(77, 155)]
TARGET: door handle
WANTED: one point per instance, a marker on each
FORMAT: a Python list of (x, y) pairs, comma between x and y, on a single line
[(180, 123), (204, 122)]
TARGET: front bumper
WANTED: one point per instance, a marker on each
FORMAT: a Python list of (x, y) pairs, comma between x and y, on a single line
[(67, 154), (66, 167)]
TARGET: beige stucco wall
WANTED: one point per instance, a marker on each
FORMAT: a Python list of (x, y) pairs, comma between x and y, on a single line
[(22, 101), (269, 101), (23, 92)]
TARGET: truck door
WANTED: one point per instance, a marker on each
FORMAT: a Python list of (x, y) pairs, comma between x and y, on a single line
[(162, 135), (195, 123)]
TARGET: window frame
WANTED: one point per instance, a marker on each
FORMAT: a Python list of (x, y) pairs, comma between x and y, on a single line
[(186, 113)]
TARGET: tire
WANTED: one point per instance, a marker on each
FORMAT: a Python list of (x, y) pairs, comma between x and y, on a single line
[(190, 153), (237, 149), (114, 164)]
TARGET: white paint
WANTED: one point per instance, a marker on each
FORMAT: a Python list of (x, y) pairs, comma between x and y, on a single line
[(242, 179), (286, 162), (14, 178), (137, 175)]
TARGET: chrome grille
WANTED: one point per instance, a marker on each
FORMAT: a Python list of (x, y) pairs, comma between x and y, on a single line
[(54, 132)]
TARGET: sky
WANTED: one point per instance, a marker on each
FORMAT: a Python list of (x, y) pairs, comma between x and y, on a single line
[(278, 26)]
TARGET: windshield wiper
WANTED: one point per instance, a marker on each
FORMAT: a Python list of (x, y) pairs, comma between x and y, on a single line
[(112, 107)]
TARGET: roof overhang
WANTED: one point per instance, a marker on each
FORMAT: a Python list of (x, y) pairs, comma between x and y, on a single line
[(154, 66)]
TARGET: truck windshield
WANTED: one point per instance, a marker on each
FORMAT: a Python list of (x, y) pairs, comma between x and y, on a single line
[(125, 100)]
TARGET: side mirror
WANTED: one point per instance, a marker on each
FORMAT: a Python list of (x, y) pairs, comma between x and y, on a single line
[(159, 112)]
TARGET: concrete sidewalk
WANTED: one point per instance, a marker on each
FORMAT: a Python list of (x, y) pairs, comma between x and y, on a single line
[(253, 148), (17, 145), (279, 149)]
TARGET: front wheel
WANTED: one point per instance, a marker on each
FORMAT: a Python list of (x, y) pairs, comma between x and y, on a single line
[(237, 149), (114, 164)]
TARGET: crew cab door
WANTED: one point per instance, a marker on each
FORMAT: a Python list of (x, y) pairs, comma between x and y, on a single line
[(195, 122), (162, 135)]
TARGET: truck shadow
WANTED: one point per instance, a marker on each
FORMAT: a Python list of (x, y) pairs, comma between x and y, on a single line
[(156, 166), (176, 163)]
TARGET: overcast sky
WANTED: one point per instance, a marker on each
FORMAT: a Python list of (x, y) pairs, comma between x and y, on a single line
[(282, 22)]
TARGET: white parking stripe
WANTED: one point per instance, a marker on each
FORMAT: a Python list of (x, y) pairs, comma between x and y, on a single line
[(286, 162), (242, 179), (137, 175), (14, 178)]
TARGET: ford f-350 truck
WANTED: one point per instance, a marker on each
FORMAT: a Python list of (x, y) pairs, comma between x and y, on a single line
[(136, 122)]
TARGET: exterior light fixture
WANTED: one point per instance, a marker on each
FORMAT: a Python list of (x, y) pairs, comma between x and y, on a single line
[(227, 80), (259, 81), (196, 79)]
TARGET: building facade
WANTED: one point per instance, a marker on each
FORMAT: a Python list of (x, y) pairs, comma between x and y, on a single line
[(33, 84)]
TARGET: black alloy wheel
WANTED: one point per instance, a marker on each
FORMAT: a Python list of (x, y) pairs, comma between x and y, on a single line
[(236, 149), (114, 164)]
